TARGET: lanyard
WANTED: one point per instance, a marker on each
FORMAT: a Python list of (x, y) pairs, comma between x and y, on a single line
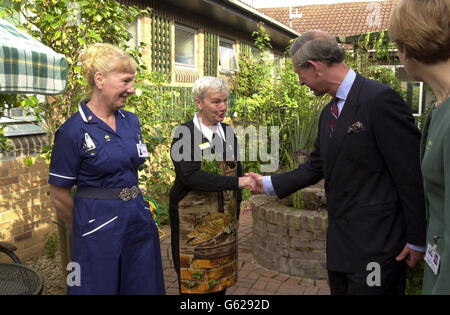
[(219, 130)]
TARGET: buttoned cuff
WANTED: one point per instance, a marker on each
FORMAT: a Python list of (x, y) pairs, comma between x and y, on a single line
[(416, 248), (267, 185)]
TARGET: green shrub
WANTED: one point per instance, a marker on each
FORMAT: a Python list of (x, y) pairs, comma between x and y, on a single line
[(414, 279), (51, 244)]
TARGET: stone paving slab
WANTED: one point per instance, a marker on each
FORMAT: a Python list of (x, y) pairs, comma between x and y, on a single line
[(253, 279)]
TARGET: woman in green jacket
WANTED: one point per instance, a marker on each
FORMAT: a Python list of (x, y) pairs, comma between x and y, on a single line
[(421, 30)]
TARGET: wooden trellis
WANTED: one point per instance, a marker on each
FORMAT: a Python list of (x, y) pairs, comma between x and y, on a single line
[(180, 105), (245, 48), (161, 45), (211, 54)]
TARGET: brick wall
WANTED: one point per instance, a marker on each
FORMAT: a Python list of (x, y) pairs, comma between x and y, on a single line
[(289, 240), (24, 145), (26, 212)]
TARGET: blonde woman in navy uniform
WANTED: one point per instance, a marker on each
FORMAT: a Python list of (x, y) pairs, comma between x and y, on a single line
[(99, 149)]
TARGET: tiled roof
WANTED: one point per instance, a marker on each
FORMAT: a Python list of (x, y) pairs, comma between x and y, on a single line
[(342, 19)]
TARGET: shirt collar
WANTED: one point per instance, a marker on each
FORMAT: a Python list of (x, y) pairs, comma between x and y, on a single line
[(346, 85), (208, 133), (88, 116)]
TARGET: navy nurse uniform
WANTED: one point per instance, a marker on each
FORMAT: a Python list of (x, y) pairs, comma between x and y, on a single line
[(115, 239)]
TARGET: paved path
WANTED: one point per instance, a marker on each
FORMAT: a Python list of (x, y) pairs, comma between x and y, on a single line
[(253, 279)]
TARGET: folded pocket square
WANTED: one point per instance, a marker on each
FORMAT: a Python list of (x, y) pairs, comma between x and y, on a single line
[(356, 127)]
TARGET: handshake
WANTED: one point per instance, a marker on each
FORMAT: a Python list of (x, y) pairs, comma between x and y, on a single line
[(253, 182)]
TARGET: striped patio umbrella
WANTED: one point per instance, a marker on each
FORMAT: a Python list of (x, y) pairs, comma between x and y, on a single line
[(28, 66)]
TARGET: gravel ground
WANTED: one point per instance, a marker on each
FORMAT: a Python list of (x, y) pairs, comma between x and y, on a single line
[(51, 272)]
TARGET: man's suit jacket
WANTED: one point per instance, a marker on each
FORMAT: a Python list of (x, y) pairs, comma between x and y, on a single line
[(372, 178)]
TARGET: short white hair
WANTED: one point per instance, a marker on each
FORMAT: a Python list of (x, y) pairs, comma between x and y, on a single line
[(203, 84)]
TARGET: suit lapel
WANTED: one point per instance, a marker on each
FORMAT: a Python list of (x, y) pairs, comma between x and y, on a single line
[(345, 119)]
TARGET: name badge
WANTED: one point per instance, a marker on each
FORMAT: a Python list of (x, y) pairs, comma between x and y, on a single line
[(432, 258), (142, 150), (89, 145), (204, 145)]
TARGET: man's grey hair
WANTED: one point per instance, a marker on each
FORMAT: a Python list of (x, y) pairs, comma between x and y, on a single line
[(316, 45), (201, 85)]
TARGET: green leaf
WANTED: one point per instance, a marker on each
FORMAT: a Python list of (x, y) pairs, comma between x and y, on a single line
[(56, 35), (28, 161), (48, 18), (30, 102), (47, 149), (56, 24)]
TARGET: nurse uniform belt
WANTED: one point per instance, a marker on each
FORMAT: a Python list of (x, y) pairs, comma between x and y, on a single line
[(124, 194)]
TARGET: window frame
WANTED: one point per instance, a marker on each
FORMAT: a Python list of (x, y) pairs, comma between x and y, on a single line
[(278, 61), (256, 52), (194, 32), (233, 44), (138, 34), (416, 85)]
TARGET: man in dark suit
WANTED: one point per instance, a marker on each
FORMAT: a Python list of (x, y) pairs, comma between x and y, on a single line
[(367, 150)]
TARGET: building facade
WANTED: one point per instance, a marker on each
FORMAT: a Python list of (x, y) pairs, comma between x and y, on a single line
[(184, 40)]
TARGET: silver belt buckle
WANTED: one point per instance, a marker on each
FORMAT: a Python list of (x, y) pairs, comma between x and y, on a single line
[(129, 193)]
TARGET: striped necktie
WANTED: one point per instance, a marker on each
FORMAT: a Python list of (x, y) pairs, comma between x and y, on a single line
[(334, 115)]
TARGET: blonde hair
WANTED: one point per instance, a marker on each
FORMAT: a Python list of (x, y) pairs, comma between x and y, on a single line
[(105, 58), (422, 28)]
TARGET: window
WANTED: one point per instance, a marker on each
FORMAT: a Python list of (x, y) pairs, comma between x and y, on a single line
[(277, 66), (278, 61), (418, 94), (414, 97), (228, 59), (256, 52), (185, 46), (133, 29)]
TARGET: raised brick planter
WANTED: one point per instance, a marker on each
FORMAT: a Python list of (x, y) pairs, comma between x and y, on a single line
[(289, 240)]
